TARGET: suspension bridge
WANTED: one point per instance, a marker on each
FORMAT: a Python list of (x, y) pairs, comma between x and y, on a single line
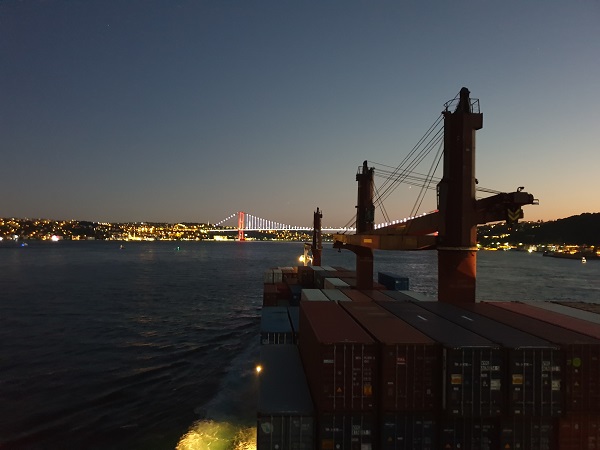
[(242, 222)]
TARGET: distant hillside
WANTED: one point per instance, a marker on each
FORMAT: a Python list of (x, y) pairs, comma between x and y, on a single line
[(583, 229)]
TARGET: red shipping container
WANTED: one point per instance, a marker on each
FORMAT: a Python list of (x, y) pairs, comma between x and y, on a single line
[(357, 296), (579, 432), (410, 362), (350, 282), (377, 295), (378, 286), (270, 295), (346, 273), (283, 291), (339, 357), (568, 322)]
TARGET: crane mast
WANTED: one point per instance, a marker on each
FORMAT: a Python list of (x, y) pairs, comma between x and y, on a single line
[(452, 230)]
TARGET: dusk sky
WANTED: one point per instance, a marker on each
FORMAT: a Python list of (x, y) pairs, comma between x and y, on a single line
[(189, 110)]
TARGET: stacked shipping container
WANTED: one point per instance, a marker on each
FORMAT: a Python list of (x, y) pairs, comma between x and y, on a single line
[(532, 385), (473, 368), (568, 322), (499, 379), (275, 326), (340, 360), (533, 370), (580, 355), (409, 387), (579, 427), (277, 286), (285, 410), (285, 416)]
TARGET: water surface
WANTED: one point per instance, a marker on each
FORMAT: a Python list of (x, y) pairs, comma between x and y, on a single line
[(155, 344)]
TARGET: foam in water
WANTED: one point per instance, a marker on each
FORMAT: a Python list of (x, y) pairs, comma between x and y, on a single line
[(228, 416), (218, 435)]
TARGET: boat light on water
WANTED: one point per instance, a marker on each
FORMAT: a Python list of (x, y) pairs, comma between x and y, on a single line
[(218, 435)]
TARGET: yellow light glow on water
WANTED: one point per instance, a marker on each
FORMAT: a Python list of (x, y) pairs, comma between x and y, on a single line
[(213, 435), (258, 369)]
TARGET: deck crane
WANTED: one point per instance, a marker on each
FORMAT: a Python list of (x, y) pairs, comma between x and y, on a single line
[(452, 229)]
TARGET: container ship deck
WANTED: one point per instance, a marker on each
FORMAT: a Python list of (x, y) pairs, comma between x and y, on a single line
[(344, 368), (350, 363)]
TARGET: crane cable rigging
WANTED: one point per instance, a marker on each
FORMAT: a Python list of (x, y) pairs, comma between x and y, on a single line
[(405, 172), (399, 174), (406, 169)]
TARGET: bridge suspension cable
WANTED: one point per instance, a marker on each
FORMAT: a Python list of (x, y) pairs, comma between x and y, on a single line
[(221, 222), (245, 221)]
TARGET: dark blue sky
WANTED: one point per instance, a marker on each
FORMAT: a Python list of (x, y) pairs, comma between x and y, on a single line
[(174, 110)]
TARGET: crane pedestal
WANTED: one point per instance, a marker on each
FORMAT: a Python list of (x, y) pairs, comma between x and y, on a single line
[(457, 273)]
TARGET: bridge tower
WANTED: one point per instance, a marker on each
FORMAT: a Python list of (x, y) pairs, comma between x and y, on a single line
[(241, 226)]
